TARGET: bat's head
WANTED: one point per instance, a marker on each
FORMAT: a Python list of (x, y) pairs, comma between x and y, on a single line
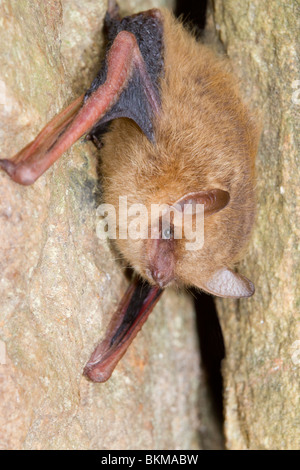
[(193, 239), (185, 245)]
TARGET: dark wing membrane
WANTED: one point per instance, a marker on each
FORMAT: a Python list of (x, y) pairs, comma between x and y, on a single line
[(133, 310), (133, 103)]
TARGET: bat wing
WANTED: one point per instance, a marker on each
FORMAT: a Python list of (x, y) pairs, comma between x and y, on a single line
[(126, 86), (134, 309)]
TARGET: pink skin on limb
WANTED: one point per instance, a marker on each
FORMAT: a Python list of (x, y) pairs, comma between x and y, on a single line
[(78, 119)]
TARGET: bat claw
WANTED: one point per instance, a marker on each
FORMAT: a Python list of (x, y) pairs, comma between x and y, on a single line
[(92, 138)]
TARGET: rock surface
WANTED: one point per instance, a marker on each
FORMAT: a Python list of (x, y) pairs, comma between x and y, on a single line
[(262, 335)]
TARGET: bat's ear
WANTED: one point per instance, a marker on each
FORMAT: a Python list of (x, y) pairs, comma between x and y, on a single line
[(227, 283), (213, 200)]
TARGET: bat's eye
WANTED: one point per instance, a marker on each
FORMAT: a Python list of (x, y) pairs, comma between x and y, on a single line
[(168, 233)]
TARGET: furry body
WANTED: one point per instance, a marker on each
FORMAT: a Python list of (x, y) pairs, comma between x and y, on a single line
[(205, 138)]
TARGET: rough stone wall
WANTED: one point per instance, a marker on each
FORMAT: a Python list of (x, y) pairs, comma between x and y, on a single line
[(262, 335), (59, 283)]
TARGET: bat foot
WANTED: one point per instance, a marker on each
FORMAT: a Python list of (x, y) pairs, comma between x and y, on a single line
[(92, 138)]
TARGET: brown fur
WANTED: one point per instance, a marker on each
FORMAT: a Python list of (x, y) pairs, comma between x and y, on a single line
[(205, 139)]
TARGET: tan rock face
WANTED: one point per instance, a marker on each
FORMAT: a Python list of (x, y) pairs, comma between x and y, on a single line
[(59, 283), (262, 335)]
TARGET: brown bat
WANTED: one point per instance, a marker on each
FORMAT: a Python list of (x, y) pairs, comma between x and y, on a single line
[(174, 131)]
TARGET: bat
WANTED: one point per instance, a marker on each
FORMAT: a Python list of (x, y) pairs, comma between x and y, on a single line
[(173, 130)]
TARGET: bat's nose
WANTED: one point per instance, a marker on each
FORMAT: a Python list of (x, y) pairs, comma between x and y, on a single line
[(161, 261), (160, 278)]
